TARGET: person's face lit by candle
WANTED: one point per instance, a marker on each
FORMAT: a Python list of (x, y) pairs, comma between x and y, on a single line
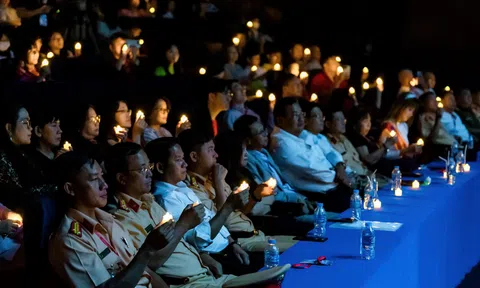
[(116, 47), (239, 94), (255, 60), (294, 120), (91, 127), (275, 58), (123, 115), (204, 157), (38, 44), (232, 54), (315, 122), (430, 103), (292, 87), (259, 136), (316, 53), (160, 112), (138, 179), (405, 114), (331, 66), (50, 134), (297, 52), (430, 80), (32, 56), (337, 125), (364, 125), (20, 132), (218, 102), (56, 42), (449, 103), (174, 169), (172, 54)]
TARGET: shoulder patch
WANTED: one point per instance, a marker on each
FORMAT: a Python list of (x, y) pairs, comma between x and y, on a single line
[(75, 229)]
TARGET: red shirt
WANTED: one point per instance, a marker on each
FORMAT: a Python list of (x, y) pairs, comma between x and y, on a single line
[(323, 87), (215, 127)]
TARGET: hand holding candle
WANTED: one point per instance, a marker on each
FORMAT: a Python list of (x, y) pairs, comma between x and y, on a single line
[(167, 217), (420, 142), (15, 218), (183, 119), (272, 183), (140, 115), (78, 49), (244, 186), (67, 146)]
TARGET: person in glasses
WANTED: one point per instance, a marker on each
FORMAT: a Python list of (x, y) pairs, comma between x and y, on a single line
[(158, 117), (119, 122)]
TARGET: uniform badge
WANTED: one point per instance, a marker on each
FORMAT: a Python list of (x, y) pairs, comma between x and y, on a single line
[(123, 205), (194, 183), (75, 229)]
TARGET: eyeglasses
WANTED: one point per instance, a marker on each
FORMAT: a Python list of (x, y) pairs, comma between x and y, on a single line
[(297, 115), (125, 111), (95, 119), (317, 117), (144, 170), (26, 123), (163, 110), (264, 132)]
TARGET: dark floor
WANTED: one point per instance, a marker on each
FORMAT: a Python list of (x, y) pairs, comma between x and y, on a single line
[(472, 279)]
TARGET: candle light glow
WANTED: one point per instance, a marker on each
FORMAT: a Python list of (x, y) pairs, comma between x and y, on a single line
[(420, 142), (44, 63), (124, 48), (254, 68), (365, 70), (307, 52), (272, 97), (398, 192), (167, 217), (259, 94), (415, 185), (438, 99), (67, 146), (303, 75), (50, 55), (235, 41), (250, 24), (140, 115), (202, 71), (338, 59), (351, 91), (141, 41), (78, 46), (393, 133), (244, 186), (314, 97), (377, 204), (119, 129), (466, 168), (339, 70), (365, 86), (196, 203), (272, 183), (15, 217), (277, 67), (151, 10), (379, 81), (183, 119), (440, 105), (447, 89), (444, 175)]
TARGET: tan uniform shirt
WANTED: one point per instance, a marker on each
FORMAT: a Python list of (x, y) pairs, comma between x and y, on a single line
[(139, 218), (349, 154), (86, 252)]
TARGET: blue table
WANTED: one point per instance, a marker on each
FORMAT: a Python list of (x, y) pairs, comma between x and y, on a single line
[(437, 245)]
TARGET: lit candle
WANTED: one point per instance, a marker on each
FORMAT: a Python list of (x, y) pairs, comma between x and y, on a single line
[(420, 142), (339, 70), (377, 204), (250, 24), (338, 59), (118, 129), (50, 55), (466, 168), (259, 94), (365, 70), (307, 52), (236, 41), (202, 71), (140, 115), (303, 75), (124, 48), (444, 176), (447, 89), (78, 46), (167, 217), (277, 67), (141, 41), (314, 97), (272, 183), (365, 86), (272, 97), (254, 68), (67, 146), (415, 185), (15, 217), (393, 133), (183, 119), (438, 99), (414, 82), (398, 192), (440, 105), (196, 203), (44, 63), (379, 81), (244, 186), (351, 91), (152, 10)]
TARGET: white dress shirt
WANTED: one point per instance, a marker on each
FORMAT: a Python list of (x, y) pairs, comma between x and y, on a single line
[(454, 125), (321, 141), (303, 162), (174, 198)]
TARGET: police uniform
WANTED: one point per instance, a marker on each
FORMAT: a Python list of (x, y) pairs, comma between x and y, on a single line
[(86, 252), (239, 225), (184, 267), (349, 154)]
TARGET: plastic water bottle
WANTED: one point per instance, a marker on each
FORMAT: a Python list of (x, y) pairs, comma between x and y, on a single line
[(396, 178), (453, 152), (375, 185), (356, 205), (367, 242), (272, 255), (451, 174), (369, 196), (320, 229)]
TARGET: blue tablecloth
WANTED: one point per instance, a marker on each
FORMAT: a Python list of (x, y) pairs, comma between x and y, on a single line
[(437, 245)]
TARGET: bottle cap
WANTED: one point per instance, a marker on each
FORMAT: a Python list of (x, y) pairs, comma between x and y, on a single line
[(356, 191), (319, 204), (272, 241)]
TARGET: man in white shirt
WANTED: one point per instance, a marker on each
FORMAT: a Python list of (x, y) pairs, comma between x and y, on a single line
[(303, 163), (451, 120)]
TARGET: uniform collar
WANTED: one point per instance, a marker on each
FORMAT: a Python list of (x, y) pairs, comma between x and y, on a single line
[(195, 179), (90, 224), (135, 204)]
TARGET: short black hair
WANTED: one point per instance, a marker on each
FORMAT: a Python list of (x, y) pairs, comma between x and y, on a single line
[(158, 151), (307, 106), (328, 113), (116, 160), (191, 140), (69, 164), (286, 79), (281, 106), (242, 125), (117, 35)]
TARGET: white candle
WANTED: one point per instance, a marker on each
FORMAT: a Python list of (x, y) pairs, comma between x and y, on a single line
[(415, 185), (202, 71), (183, 119), (244, 186), (377, 204), (420, 142), (314, 97), (272, 183), (67, 146), (466, 168), (167, 217), (398, 192), (259, 94), (140, 115), (272, 97)]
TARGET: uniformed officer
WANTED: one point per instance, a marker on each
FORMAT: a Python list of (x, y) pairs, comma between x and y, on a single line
[(131, 176), (90, 247)]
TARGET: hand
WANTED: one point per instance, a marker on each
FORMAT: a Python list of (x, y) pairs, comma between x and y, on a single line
[(191, 216), (212, 264), (238, 200), (8, 227), (341, 175), (241, 255), (161, 236), (45, 9), (391, 141), (183, 126), (61, 152), (122, 134), (418, 149), (262, 191), (139, 126), (219, 173)]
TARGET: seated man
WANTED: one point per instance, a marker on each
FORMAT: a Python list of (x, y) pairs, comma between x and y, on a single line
[(303, 162), (207, 179), (325, 82), (262, 167), (465, 111), (452, 121), (129, 171), (90, 247)]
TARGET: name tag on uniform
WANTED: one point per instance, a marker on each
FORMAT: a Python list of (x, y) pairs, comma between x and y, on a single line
[(104, 253), (149, 228)]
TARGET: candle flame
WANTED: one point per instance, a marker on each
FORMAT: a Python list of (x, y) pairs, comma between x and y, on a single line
[(393, 133), (307, 51), (236, 41), (338, 59), (141, 41), (303, 75), (202, 71), (379, 81), (44, 63), (167, 217), (365, 86), (440, 105), (250, 24), (67, 146), (272, 183), (415, 184), (151, 10), (244, 186), (398, 192), (420, 142), (339, 70), (183, 119), (365, 70), (272, 97), (254, 68), (314, 97), (259, 94), (50, 55), (78, 46), (351, 91), (466, 167), (377, 204), (118, 129), (15, 217), (447, 89), (124, 48), (438, 99), (140, 114), (277, 67)]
